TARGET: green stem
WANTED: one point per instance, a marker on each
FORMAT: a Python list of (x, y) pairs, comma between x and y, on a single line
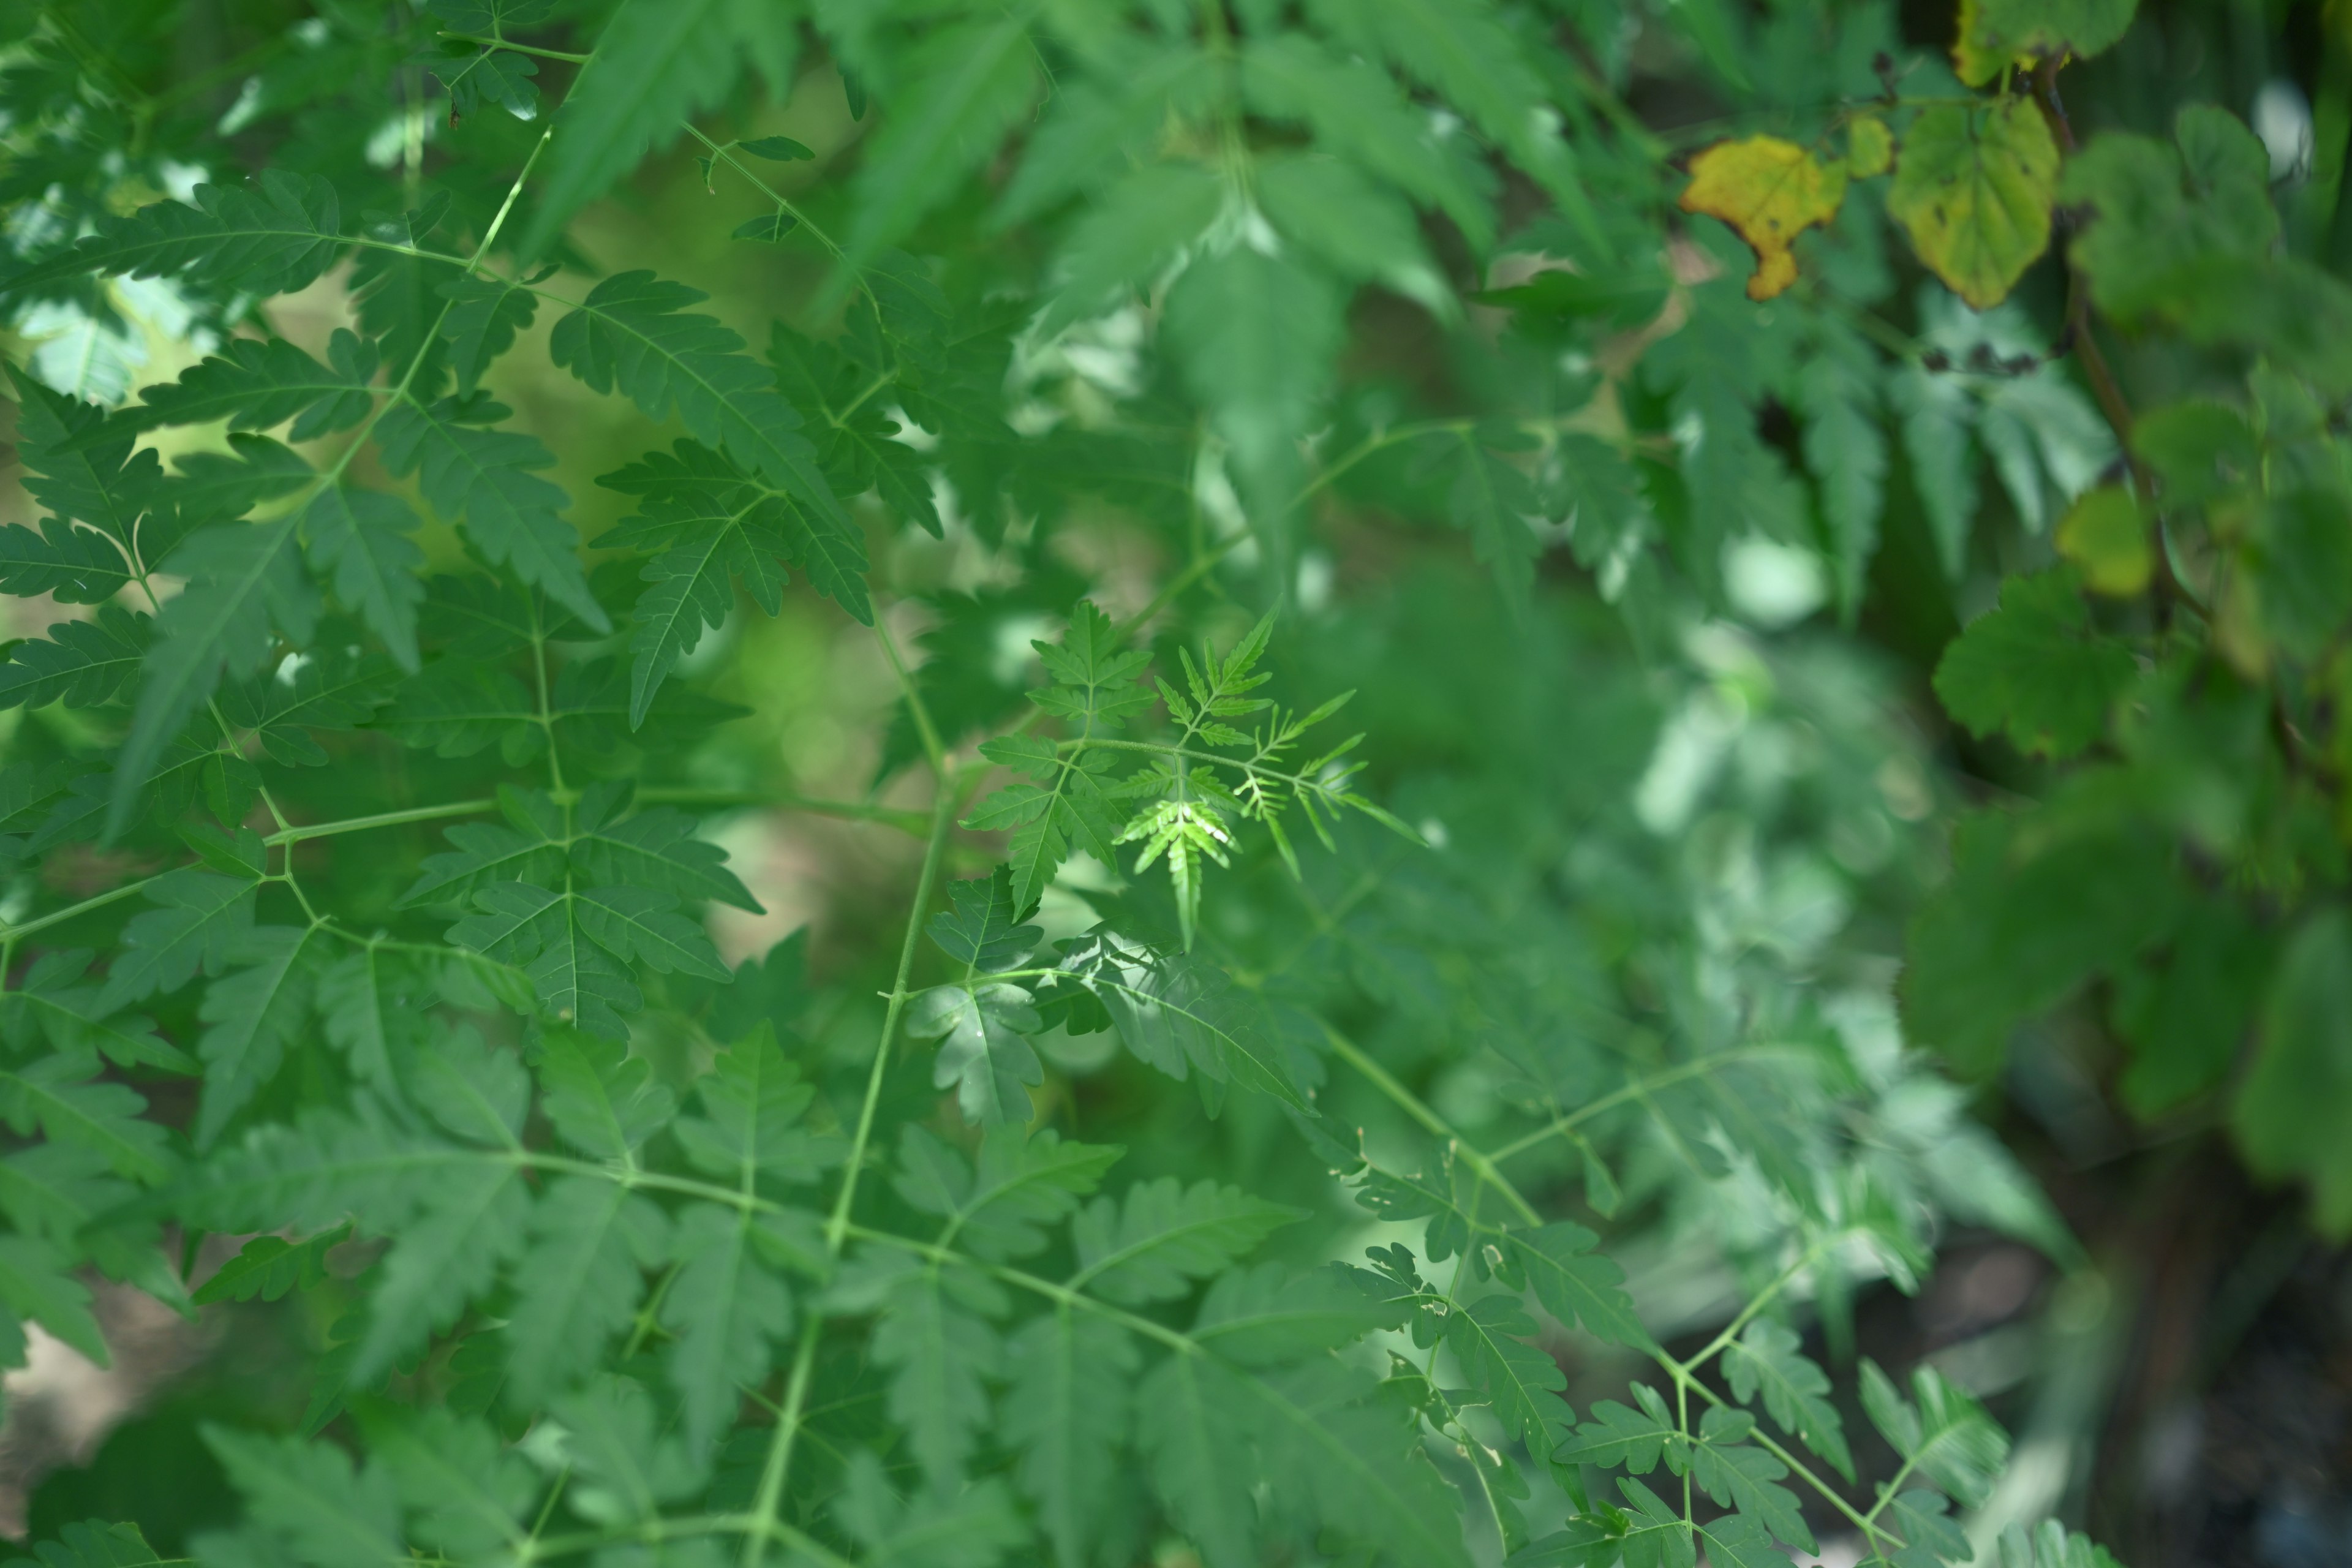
[(1035, 1284), (1412, 1105), (933, 749), (54, 917), (1634, 1089), (777, 1469), (724, 154), (1756, 1303), (568, 59), (837, 1223), (380, 819)]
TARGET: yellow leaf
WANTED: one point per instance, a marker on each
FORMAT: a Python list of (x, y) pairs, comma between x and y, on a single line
[(1974, 189), (1869, 147), (1769, 191), (2104, 534)]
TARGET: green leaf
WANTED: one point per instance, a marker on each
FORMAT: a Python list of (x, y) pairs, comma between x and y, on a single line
[(2296, 570), (95, 1543), (602, 1101), (614, 1441), (1022, 1183), (1618, 1436), (55, 1095), (707, 524), (655, 848), (441, 1260), (753, 1103), (73, 566), (215, 486), (1974, 188), (941, 1357), (982, 932), (770, 227), (1996, 34), (1320, 1441), (485, 479), (1354, 226), (982, 1053), (579, 1283), (1090, 129), (1946, 1436), (251, 1016), (78, 1020), (1739, 1540), (312, 1499), (202, 919), (246, 587), (1937, 418), (1072, 808), (729, 1308), (1747, 1479), (2186, 1017), (2051, 1546), (1492, 501), (1128, 235), (1357, 111), (462, 1485), (1767, 1359), (276, 236), (1095, 678), (1166, 1235), (1066, 1416), (531, 850), (84, 465), (1573, 1283), (484, 315), (1520, 1380), (575, 946), (634, 331), (82, 664), (971, 1528), (1181, 1016), (257, 383), (657, 63), (1462, 52), (2036, 669), (1254, 337), (777, 149), (1933, 1537), (962, 87), (499, 75), (2293, 1102), (1186, 1432), (268, 1266), (2105, 534), (359, 542), (1845, 447), (2025, 918)]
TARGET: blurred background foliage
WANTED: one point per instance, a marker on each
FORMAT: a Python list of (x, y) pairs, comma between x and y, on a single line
[(1683, 782)]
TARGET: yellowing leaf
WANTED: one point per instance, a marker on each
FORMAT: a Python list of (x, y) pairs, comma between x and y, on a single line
[(1869, 147), (1769, 191), (1974, 190), (2104, 534), (1997, 33)]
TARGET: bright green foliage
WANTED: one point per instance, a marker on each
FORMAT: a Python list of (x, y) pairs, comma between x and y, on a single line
[(406, 672)]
